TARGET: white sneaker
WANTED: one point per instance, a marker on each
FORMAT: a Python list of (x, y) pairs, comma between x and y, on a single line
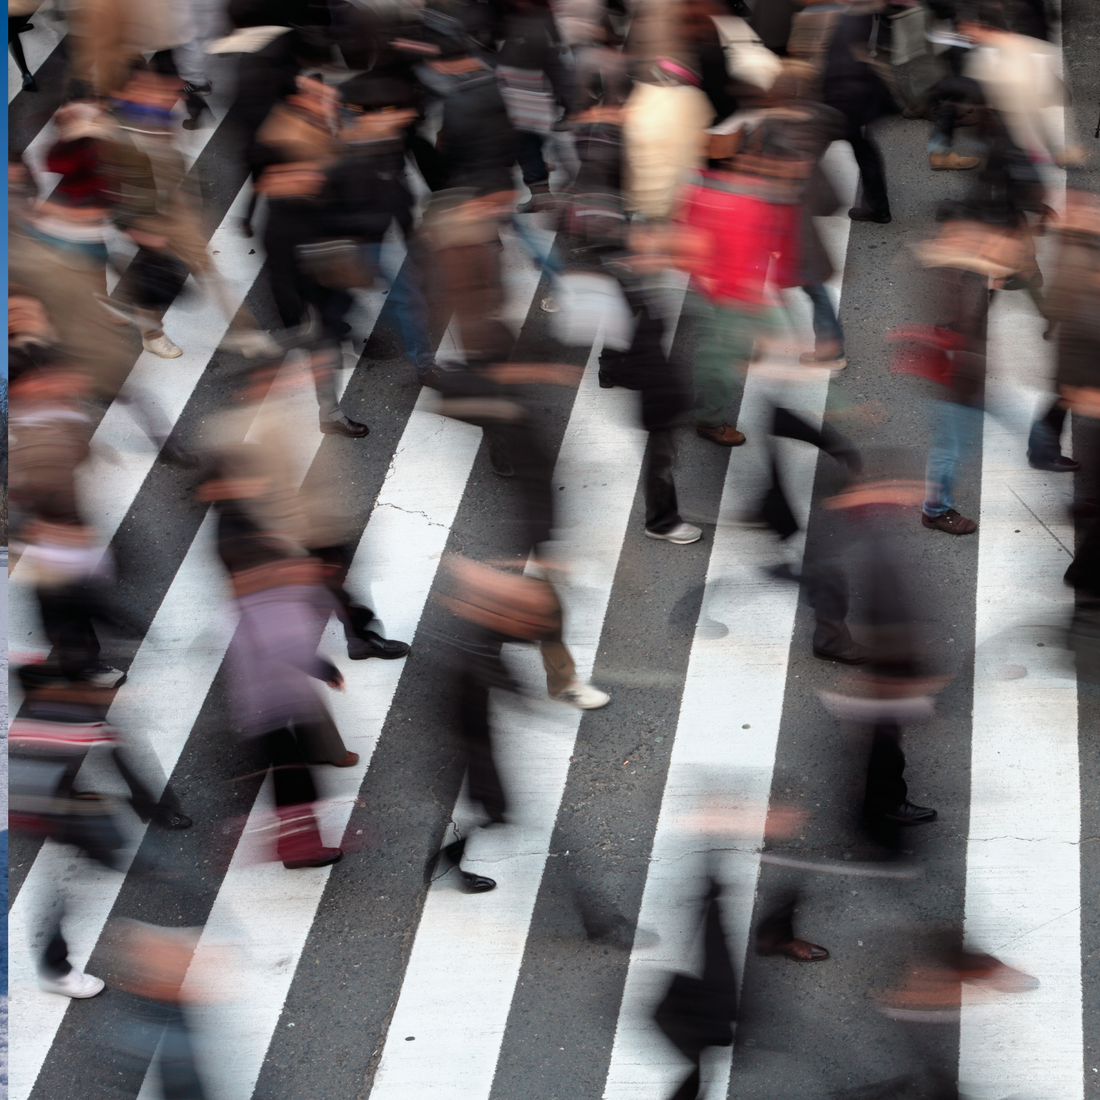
[(162, 346), (75, 984), (682, 534), (583, 696)]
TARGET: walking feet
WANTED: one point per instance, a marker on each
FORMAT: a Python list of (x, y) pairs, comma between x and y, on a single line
[(583, 696), (725, 435), (371, 644), (75, 984), (450, 858), (950, 521)]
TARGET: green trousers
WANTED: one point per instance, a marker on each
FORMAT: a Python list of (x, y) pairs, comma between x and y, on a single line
[(727, 333)]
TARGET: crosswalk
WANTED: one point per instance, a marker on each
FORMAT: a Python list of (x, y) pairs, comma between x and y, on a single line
[(357, 979)]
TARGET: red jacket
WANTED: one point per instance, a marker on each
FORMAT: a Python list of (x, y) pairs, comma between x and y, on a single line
[(741, 223)]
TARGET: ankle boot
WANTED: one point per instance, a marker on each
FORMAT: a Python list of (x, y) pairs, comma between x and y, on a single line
[(299, 843)]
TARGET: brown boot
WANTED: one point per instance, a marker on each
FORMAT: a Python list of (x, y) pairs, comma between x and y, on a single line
[(725, 435), (944, 161)]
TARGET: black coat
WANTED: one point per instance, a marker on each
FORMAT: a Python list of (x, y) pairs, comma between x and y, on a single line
[(477, 139), (366, 190)]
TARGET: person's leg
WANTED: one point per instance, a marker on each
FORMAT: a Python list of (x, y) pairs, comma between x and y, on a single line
[(163, 811), (886, 788), (722, 355), (67, 620), (16, 25), (484, 781), (943, 128), (409, 305), (430, 162), (321, 743), (323, 364), (291, 775), (281, 235), (529, 155), (1044, 444), (54, 962), (826, 589), (299, 839), (828, 335), (872, 173), (179, 1077), (661, 508), (953, 428)]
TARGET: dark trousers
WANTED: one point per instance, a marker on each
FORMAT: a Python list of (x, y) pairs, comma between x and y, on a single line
[(68, 614), (886, 788), (529, 155), (484, 781), (16, 25), (293, 780), (145, 805), (1084, 571), (661, 510), (775, 508), (1045, 441), (872, 173), (55, 958), (337, 561), (290, 223)]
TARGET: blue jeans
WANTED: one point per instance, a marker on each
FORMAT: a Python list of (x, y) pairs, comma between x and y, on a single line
[(409, 307), (955, 428), (826, 325)]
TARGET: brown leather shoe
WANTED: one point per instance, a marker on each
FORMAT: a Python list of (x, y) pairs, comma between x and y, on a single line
[(725, 435), (349, 761), (799, 950), (950, 521), (948, 161)]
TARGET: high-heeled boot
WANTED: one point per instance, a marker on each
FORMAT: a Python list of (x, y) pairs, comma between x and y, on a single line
[(299, 843)]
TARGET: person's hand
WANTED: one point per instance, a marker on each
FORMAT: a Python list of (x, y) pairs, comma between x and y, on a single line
[(336, 683)]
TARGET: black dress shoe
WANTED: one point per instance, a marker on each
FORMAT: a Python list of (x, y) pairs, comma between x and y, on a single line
[(863, 214), (477, 884), (1062, 464), (908, 814), (854, 654), (374, 645), (174, 821), (345, 426), (29, 83)]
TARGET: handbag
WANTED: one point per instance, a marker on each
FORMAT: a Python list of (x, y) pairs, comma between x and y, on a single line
[(336, 263), (925, 351)]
